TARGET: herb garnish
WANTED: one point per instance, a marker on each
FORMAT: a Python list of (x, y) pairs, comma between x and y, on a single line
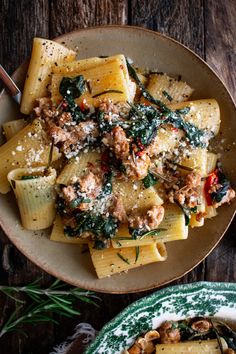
[(143, 123), (196, 136), (187, 212), (107, 91), (149, 180), (222, 191), (26, 177), (143, 232), (123, 258), (58, 298), (137, 251), (98, 225), (144, 92), (71, 88), (107, 185), (166, 94)]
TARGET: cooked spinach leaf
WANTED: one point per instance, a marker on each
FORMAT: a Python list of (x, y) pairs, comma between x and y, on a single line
[(99, 225), (72, 87), (144, 91), (76, 202), (149, 180), (196, 136), (107, 185), (143, 123), (222, 191), (187, 212)]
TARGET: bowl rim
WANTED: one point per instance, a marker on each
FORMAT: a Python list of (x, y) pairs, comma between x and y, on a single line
[(53, 272), (157, 296)]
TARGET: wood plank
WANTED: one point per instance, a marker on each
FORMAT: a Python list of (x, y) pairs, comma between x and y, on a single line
[(71, 15), (20, 22), (182, 20), (220, 48), (220, 40)]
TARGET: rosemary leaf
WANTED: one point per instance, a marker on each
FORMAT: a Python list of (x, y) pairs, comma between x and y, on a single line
[(137, 251), (123, 258), (106, 91)]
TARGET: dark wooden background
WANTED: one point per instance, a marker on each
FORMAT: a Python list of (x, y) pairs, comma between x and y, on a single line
[(206, 26)]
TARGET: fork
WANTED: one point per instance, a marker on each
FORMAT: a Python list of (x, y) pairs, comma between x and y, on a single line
[(10, 85)]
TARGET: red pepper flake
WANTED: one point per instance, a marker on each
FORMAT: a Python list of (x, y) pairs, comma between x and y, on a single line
[(64, 105), (122, 67), (174, 129), (211, 180), (83, 105), (140, 153), (140, 145)]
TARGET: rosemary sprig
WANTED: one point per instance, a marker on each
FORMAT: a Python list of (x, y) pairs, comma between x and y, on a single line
[(55, 299)]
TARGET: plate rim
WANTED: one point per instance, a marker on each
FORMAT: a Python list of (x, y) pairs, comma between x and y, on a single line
[(156, 296), (53, 272)]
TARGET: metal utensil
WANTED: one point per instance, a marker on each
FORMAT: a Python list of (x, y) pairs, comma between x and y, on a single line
[(10, 85)]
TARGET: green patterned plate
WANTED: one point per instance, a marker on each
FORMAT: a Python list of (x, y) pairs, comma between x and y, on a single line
[(177, 302)]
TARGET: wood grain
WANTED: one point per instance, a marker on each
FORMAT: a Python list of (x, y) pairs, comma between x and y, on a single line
[(71, 15), (220, 31), (207, 27), (20, 22), (182, 20)]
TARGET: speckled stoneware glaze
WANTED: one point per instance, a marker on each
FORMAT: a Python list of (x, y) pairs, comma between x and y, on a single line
[(147, 49), (174, 303)]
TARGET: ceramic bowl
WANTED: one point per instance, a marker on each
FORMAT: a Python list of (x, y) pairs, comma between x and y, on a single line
[(147, 49), (174, 303)]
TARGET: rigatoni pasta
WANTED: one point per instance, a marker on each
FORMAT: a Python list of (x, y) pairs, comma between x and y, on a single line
[(196, 335), (130, 154), (35, 193)]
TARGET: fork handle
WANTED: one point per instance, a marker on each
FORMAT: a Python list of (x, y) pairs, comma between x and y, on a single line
[(10, 85)]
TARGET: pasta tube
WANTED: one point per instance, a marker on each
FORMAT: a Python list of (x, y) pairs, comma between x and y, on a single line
[(76, 167), (196, 160), (75, 68), (135, 195), (110, 260), (13, 127), (45, 53), (107, 81), (173, 226), (210, 346), (167, 89), (35, 194), (27, 148), (58, 234), (205, 114), (211, 162)]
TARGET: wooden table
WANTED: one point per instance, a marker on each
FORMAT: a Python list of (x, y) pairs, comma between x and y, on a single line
[(206, 26)]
